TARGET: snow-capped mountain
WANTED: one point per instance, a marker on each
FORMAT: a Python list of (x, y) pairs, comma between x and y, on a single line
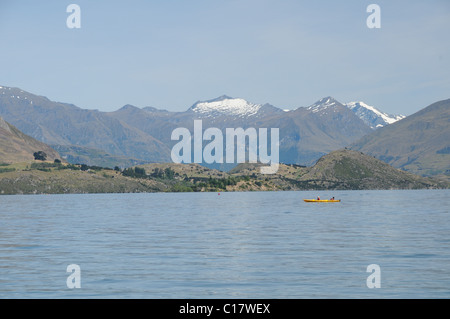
[(372, 116), (225, 105), (326, 103)]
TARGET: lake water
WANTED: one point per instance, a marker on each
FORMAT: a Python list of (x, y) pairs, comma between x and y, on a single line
[(232, 245)]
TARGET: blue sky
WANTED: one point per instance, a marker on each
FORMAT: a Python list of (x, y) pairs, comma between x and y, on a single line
[(170, 54)]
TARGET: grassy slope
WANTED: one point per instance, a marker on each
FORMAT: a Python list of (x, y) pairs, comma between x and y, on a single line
[(16, 146), (54, 181)]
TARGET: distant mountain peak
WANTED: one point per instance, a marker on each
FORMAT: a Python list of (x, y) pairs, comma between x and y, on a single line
[(324, 104), (129, 107), (152, 109), (221, 98), (225, 105), (373, 116), (329, 100)]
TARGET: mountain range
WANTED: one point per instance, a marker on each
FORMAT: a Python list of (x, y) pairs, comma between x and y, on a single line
[(133, 135), (143, 134)]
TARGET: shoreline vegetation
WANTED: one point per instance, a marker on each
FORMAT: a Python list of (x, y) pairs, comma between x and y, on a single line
[(338, 170)]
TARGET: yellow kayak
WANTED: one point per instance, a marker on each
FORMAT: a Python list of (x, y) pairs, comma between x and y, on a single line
[(322, 200)]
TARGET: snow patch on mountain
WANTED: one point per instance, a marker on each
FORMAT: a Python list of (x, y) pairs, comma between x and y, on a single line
[(7, 91), (327, 103), (371, 115), (226, 105)]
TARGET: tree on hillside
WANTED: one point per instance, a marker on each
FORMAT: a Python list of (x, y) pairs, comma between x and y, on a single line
[(169, 173), (139, 172), (134, 172), (159, 173), (40, 156)]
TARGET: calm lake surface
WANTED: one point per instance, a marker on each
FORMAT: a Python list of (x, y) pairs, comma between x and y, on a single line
[(232, 245)]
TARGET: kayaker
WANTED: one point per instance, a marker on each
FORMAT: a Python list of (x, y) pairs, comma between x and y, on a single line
[(332, 198), (318, 197)]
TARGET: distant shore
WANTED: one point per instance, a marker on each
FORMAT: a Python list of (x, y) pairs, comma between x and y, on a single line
[(343, 170)]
